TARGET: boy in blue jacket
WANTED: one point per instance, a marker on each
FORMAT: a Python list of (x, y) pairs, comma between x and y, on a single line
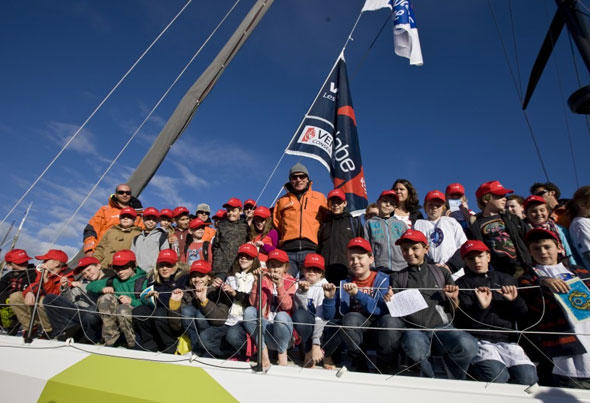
[(359, 302)]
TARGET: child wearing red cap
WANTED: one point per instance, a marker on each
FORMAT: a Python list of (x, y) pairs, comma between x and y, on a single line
[(262, 233), (501, 231), (229, 339), (569, 353), (249, 206), (118, 237), (150, 241), (204, 305), (538, 216), (119, 295), (358, 301), (458, 205), (73, 313), (489, 300), (21, 274), (278, 289), (55, 263), (307, 317), (231, 233), (441, 296), (181, 232), (150, 318), (382, 232), (196, 247), (445, 235), (337, 229)]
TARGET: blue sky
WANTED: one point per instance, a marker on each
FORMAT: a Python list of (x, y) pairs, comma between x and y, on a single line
[(457, 118)]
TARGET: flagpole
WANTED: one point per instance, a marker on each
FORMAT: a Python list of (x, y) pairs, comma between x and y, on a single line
[(340, 55)]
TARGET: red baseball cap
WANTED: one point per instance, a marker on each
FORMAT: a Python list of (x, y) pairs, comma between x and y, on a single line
[(248, 249), (337, 193), (166, 212), (233, 202), (180, 210), (123, 257), (18, 256), (220, 214), (389, 192), (54, 254), (455, 188), (279, 255), (201, 266), (87, 261), (359, 242), (197, 223), (435, 195), (531, 200), (262, 212), (412, 235), (314, 260), (250, 202), (167, 256), (473, 246), (539, 233), (128, 211), (493, 187), (151, 211)]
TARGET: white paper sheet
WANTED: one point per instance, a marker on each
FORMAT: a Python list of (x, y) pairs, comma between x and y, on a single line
[(406, 302)]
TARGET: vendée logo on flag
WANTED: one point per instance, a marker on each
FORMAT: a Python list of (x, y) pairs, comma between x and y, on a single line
[(406, 41), (328, 134)]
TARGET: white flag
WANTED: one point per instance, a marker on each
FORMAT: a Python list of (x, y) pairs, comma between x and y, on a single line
[(372, 5)]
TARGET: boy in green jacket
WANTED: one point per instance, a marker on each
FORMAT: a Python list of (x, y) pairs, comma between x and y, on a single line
[(120, 294)]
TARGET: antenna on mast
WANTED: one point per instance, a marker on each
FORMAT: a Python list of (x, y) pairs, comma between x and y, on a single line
[(567, 14)]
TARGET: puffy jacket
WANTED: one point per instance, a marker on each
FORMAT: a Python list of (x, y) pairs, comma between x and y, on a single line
[(230, 235), (106, 217), (335, 232), (115, 239), (126, 287), (382, 234), (299, 218)]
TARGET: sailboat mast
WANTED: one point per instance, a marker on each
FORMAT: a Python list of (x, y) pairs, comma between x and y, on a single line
[(194, 97)]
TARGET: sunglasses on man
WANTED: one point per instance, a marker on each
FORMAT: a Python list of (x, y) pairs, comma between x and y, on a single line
[(124, 192)]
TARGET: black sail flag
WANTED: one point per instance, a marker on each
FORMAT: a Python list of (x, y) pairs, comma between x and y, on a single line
[(328, 134)]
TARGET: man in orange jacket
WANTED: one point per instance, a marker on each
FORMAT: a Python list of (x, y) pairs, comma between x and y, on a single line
[(108, 215), (297, 217)]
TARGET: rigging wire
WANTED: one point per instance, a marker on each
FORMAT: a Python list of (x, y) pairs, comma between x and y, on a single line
[(164, 95), (563, 103), (519, 81), (65, 146), (515, 83)]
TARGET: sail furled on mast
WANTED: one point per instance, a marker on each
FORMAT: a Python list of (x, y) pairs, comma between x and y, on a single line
[(328, 134), (193, 98)]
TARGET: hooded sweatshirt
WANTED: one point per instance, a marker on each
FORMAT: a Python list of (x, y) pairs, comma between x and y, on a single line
[(147, 246), (382, 234)]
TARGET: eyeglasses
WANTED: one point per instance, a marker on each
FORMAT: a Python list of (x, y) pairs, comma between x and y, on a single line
[(203, 212), (124, 192), (298, 177), (540, 192)]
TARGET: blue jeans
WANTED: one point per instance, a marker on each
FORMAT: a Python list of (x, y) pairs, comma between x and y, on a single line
[(304, 323), (457, 347), (224, 341), (296, 259), (65, 319), (496, 371), (194, 327), (276, 335)]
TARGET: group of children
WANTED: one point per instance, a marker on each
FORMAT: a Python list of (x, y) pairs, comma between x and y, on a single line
[(480, 279)]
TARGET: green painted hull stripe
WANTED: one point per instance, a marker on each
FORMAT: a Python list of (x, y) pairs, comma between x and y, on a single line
[(103, 379)]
